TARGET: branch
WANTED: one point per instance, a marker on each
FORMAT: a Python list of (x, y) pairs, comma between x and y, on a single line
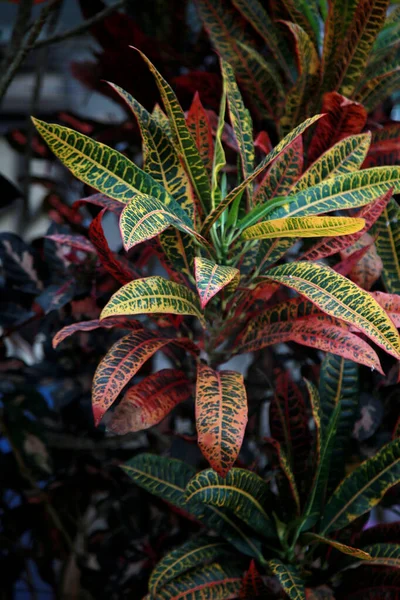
[(82, 28), (26, 46)]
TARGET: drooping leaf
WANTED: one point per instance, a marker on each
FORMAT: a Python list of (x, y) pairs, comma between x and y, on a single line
[(68, 330), (289, 578), (119, 268), (153, 295), (339, 384), (287, 140), (303, 227), (340, 298), (150, 401), (288, 423), (349, 550), (328, 246), (160, 158), (317, 332), (345, 156), (282, 174), (212, 582), (221, 416), (76, 241), (182, 137), (387, 555), (343, 117), (146, 217), (241, 491), (360, 491), (119, 365), (184, 558), (212, 278), (199, 125), (98, 165), (387, 228)]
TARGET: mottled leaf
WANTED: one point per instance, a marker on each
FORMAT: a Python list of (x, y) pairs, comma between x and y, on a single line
[(303, 227), (212, 278), (289, 578)]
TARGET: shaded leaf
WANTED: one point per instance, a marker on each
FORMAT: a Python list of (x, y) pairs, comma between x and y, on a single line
[(199, 125), (387, 229), (289, 578), (95, 324), (212, 278), (349, 550)]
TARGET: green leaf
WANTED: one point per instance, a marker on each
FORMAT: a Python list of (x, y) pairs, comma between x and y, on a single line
[(339, 385), (221, 416), (159, 156), (360, 491), (241, 491), (212, 278), (345, 191), (315, 402), (378, 88), (387, 229), (345, 156), (186, 557), (289, 578), (179, 250), (341, 298), (146, 217), (99, 166), (219, 159), (387, 555), (241, 121), (349, 550), (182, 138), (282, 174), (153, 295), (303, 227), (217, 212)]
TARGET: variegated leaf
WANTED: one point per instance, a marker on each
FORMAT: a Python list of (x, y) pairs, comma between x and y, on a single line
[(387, 228), (199, 125), (343, 548), (120, 322), (153, 295), (282, 174), (303, 227), (342, 299), (285, 479), (368, 268), (150, 401), (221, 416), (212, 278), (242, 492), (289, 578)]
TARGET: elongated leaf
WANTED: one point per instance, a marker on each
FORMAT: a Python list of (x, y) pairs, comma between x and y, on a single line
[(178, 249), (119, 267), (345, 156), (199, 126), (343, 117), (316, 410), (315, 332), (354, 51), (254, 12), (149, 402), (349, 550), (368, 268), (241, 121), (212, 582), (378, 88), (153, 295), (360, 491), (339, 384), (241, 491), (388, 245), (288, 423), (212, 278), (121, 322), (217, 212), (340, 298), (305, 15), (328, 246), (303, 227), (344, 191), (118, 367), (252, 585), (145, 217), (219, 159), (160, 158), (99, 166), (285, 479), (289, 578), (384, 554), (182, 137), (308, 67), (186, 557), (167, 478), (78, 242), (221, 416), (282, 174)]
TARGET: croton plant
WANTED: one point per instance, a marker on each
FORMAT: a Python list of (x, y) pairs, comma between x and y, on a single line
[(248, 257)]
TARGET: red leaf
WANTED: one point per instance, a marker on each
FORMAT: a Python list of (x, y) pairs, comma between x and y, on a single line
[(252, 586), (368, 268), (345, 266), (122, 322), (79, 242), (200, 127), (328, 245), (343, 117), (121, 270), (263, 142), (385, 147), (208, 85), (101, 200), (150, 401)]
